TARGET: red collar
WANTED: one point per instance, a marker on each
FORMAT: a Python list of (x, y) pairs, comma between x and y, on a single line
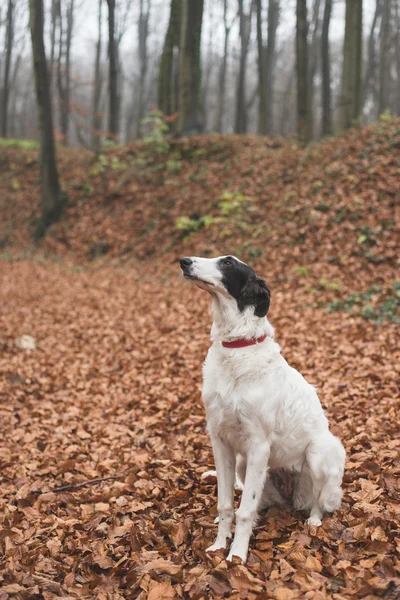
[(244, 343)]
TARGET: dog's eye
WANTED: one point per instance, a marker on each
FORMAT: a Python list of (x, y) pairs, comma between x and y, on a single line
[(227, 263)]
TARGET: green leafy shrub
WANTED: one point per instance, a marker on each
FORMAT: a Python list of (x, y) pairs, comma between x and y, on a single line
[(374, 304)]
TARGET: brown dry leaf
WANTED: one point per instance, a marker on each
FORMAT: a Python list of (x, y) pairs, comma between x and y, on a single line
[(161, 591), (313, 564), (162, 566)]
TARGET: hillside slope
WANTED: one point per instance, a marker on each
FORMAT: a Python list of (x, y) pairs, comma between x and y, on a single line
[(103, 430)]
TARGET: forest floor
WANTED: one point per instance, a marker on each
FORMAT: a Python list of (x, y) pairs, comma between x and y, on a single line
[(112, 390)]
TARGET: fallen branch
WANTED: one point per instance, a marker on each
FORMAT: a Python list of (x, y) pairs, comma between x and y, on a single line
[(74, 486)]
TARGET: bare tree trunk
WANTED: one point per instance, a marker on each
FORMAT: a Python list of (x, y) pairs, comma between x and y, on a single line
[(314, 55), (384, 70), (98, 84), (371, 61), (326, 128), (7, 65), (55, 11), (397, 25), (52, 197), (64, 70), (167, 98), (270, 57), (303, 88), (190, 113), (113, 79), (12, 119), (143, 32), (208, 67), (244, 32), (262, 104), (222, 74), (351, 89)]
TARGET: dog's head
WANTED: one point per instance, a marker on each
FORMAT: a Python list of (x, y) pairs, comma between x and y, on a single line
[(229, 276)]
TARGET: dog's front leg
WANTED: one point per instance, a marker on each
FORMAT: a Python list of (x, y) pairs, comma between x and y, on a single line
[(257, 464), (225, 464)]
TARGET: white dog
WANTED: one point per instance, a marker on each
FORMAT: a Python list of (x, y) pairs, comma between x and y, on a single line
[(265, 421)]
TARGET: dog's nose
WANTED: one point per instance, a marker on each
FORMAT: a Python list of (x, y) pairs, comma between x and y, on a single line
[(185, 262)]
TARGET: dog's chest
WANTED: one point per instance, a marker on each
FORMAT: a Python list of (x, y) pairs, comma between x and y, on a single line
[(230, 401)]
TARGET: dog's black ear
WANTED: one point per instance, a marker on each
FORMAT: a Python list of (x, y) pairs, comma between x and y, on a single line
[(255, 293)]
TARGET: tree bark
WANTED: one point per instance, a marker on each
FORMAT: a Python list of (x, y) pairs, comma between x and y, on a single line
[(351, 88), (52, 197), (244, 33), (97, 87), (384, 66), (190, 113), (326, 127), (262, 104), (113, 79), (270, 57), (64, 68), (371, 60), (303, 88), (143, 32), (219, 120), (314, 48), (7, 66), (167, 96)]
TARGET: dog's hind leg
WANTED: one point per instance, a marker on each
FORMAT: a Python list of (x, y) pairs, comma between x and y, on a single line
[(225, 464), (325, 457)]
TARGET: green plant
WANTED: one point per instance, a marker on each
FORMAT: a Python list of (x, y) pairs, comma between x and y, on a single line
[(157, 129), (193, 224), (375, 304), (328, 285), (13, 143), (301, 271), (233, 202)]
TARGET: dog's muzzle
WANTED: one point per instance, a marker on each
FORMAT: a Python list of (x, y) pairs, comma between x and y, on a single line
[(186, 266)]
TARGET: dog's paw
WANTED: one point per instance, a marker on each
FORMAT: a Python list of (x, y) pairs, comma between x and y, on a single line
[(217, 545), (237, 554), (208, 474), (314, 521)]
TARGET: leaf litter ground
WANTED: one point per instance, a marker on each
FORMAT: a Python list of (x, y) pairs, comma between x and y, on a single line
[(112, 390)]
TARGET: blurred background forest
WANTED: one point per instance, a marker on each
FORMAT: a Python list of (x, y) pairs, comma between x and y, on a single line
[(280, 67)]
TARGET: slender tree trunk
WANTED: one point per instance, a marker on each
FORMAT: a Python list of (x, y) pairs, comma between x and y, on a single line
[(143, 32), (64, 68), (113, 79), (351, 88), (314, 48), (190, 112), (244, 32), (397, 25), (55, 10), (7, 66), (13, 117), (208, 66), (303, 88), (262, 104), (326, 128), (371, 60), (167, 98), (98, 84), (52, 197), (384, 70), (222, 75), (270, 57)]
